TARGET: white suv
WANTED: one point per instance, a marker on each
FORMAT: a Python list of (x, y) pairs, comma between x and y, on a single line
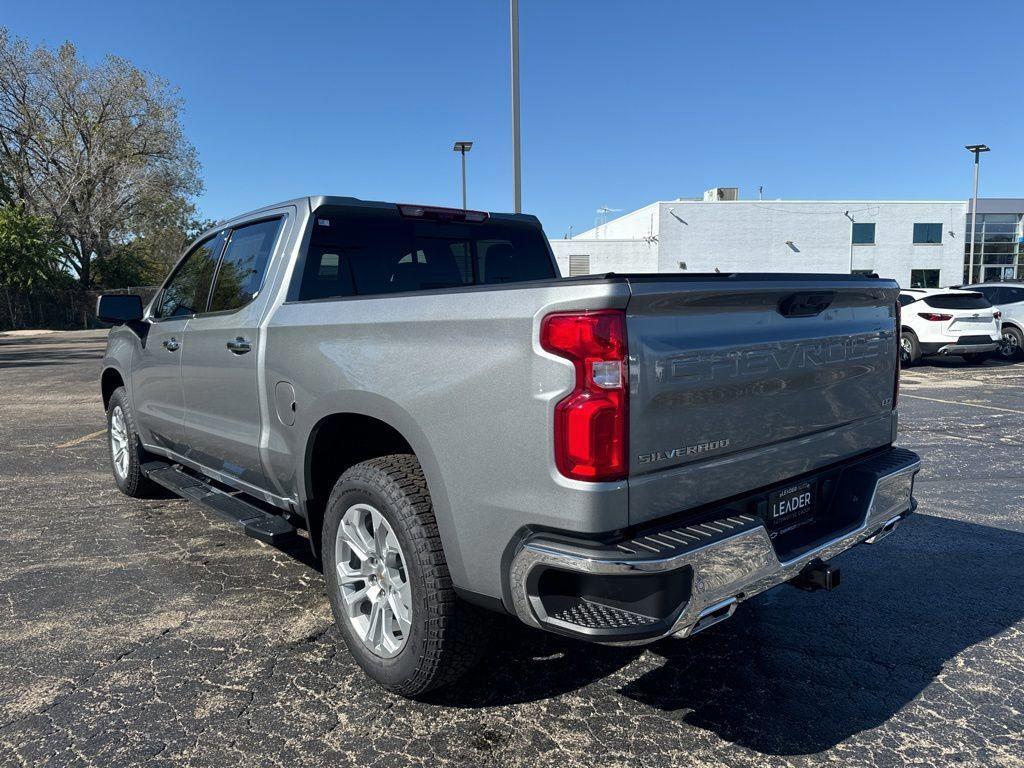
[(1008, 298), (947, 321)]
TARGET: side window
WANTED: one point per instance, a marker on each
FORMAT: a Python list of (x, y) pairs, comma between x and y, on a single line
[(244, 265), (992, 294), (189, 287), (904, 299), (1012, 295)]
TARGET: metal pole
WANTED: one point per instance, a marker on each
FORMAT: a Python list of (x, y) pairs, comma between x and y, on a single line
[(974, 220), (463, 179), (516, 166)]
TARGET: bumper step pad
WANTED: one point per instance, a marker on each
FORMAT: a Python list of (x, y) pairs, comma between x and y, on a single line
[(597, 616), (254, 520)]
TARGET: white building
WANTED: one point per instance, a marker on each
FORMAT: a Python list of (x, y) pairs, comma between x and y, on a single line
[(916, 242)]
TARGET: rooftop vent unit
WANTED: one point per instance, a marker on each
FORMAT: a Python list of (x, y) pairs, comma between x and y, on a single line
[(719, 194)]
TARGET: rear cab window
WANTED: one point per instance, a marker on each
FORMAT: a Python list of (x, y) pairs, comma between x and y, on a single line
[(957, 301), (372, 251)]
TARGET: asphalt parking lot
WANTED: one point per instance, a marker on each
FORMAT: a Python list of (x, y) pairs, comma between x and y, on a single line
[(151, 632)]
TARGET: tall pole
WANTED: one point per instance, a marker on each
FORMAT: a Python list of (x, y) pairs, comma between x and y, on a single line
[(463, 179), (516, 165), (974, 218), (976, 150)]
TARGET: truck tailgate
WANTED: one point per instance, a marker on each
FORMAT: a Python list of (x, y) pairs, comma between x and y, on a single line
[(742, 381)]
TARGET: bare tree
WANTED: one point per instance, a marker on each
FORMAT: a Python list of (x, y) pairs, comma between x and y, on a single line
[(98, 150)]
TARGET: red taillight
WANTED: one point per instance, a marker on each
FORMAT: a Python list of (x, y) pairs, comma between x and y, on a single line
[(934, 317), (899, 344), (591, 422)]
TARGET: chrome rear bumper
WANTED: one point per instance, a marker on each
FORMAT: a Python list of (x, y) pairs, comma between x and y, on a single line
[(722, 562)]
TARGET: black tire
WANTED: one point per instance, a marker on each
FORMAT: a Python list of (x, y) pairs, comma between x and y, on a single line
[(978, 358), (131, 482), (447, 635), (1013, 343), (910, 349)]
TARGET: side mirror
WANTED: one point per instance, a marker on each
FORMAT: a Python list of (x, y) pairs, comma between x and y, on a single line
[(119, 309)]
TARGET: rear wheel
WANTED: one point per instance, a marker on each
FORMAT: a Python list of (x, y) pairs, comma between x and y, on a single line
[(388, 581), (910, 350), (1012, 344)]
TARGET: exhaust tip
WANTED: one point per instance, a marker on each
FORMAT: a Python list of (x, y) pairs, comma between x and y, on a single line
[(714, 614), (884, 531)]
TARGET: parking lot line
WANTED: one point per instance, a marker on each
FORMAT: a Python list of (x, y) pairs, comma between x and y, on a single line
[(957, 402), (83, 438)]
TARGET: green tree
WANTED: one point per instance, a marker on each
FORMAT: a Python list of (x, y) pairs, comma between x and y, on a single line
[(28, 253), (28, 249), (98, 150)]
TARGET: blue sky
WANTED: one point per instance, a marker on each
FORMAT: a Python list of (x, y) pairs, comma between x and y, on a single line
[(623, 102)]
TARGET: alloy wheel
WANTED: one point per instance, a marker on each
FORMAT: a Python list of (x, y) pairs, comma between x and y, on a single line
[(906, 350), (1009, 348), (119, 442), (374, 581)]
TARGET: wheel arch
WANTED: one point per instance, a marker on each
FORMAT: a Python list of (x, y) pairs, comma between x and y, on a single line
[(380, 428), (110, 380), (1013, 324)]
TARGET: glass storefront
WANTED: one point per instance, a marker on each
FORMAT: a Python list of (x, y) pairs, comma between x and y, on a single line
[(998, 250)]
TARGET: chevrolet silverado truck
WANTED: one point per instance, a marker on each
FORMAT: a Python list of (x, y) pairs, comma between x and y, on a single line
[(457, 429)]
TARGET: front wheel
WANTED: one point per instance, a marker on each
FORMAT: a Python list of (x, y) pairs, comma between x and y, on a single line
[(126, 452), (388, 581)]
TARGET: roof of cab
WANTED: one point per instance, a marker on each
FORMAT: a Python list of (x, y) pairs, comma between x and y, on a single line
[(313, 202)]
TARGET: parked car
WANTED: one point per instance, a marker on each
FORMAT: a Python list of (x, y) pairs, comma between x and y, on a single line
[(947, 321), (1008, 298), (615, 458)]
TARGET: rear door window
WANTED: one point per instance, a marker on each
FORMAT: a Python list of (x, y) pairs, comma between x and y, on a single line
[(244, 265), (1011, 295), (957, 301), (376, 251)]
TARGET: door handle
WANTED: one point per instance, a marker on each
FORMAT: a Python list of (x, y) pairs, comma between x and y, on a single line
[(171, 344), (239, 346)]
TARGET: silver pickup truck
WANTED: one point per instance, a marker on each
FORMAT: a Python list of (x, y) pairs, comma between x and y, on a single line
[(457, 429)]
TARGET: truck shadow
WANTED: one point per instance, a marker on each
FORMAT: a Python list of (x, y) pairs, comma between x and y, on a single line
[(798, 673), (793, 672)]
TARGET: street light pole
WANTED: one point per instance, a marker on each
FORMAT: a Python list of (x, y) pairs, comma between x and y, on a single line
[(976, 150), (463, 147), (516, 165)]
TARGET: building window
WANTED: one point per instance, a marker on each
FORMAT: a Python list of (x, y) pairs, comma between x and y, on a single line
[(998, 247), (863, 234), (924, 278), (579, 265), (927, 234)]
